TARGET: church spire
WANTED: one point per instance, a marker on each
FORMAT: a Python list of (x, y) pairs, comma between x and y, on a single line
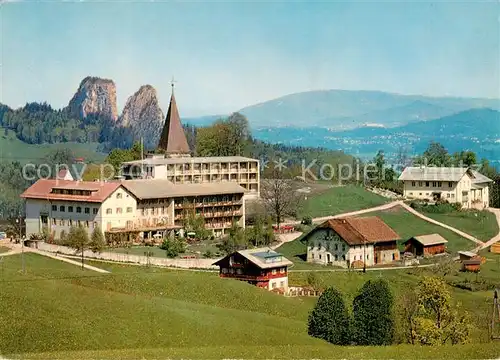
[(173, 140)]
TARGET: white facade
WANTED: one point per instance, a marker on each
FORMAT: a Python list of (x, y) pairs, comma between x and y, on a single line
[(463, 191), (279, 283)]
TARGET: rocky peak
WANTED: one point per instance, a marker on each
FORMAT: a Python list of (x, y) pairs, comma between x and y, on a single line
[(143, 115), (94, 96)]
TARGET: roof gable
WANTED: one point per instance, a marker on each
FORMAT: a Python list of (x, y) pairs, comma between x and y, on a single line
[(361, 230), (43, 189), (430, 173), (261, 257)]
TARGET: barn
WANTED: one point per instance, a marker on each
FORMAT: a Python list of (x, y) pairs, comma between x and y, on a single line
[(426, 245)]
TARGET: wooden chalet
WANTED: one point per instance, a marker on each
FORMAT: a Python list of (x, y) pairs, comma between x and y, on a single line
[(262, 267), (426, 245), (473, 265)]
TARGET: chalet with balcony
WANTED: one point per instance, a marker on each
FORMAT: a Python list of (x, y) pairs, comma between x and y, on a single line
[(262, 267), (453, 184), (352, 242)]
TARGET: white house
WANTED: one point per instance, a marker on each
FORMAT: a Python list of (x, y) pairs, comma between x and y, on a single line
[(352, 242), (453, 184)]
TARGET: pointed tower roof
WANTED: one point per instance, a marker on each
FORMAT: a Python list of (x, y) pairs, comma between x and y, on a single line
[(172, 139)]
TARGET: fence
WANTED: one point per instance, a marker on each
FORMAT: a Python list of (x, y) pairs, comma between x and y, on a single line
[(136, 259)]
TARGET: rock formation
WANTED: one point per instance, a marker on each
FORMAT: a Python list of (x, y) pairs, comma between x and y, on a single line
[(94, 96), (143, 115)]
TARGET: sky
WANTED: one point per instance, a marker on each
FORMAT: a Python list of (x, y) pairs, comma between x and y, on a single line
[(228, 55)]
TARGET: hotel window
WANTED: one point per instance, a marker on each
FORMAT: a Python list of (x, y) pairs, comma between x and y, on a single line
[(343, 247), (109, 211), (420, 194), (87, 210), (274, 270), (118, 210), (282, 270), (129, 209), (440, 184), (434, 184), (282, 284), (336, 257), (54, 207), (413, 183), (343, 257), (320, 256), (420, 183), (62, 208), (95, 211), (70, 208), (427, 183), (274, 285), (450, 184), (448, 195), (119, 195), (78, 209), (336, 247)]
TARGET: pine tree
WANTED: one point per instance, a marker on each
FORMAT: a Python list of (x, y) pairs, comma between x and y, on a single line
[(97, 242), (373, 322), (329, 319)]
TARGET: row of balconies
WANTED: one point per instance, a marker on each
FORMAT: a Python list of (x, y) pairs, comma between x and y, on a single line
[(212, 214), (208, 204), (209, 171)]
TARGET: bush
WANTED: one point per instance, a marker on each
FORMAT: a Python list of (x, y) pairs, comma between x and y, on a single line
[(208, 254), (307, 220), (373, 322), (329, 320), (173, 247)]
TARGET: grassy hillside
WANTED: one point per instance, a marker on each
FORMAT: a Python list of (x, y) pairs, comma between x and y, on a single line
[(480, 224), (339, 200), (57, 310), (408, 225), (13, 149)]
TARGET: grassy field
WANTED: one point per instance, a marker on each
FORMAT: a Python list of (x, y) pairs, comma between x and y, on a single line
[(197, 249), (13, 149), (56, 310), (408, 225), (480, 224), (339, 200)]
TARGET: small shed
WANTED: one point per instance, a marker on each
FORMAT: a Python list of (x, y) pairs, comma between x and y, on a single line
[(466, 255), (471, 265), (426, 245), (495, 248)]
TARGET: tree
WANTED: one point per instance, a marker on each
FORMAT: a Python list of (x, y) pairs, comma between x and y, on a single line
[(261, 232), (195, 223), (464, 158), (431, 319), (173, 246), (78, 239), (435, 154), (236, 240), (379, 161), (118, 156), (97, 242), (329, 320), (373, 322), (279, 197)]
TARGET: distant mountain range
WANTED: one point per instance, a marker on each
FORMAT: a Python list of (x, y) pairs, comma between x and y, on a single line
[(475, 129), (342, 109)]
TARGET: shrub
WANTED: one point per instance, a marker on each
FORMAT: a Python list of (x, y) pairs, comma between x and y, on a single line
[(208, 254), (373, 322), (329, 320), (173, 247), (307, 220)]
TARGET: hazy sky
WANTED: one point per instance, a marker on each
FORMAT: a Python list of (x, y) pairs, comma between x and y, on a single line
[(229, 55)]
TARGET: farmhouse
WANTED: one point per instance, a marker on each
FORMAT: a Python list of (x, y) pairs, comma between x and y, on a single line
[(426, 245), (453, 184), (261, 267), (176, 164), (352, 242), (135, 208)]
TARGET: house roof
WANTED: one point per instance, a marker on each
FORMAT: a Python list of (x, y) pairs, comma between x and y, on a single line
[(428, 240), (75, 170), (467, 253), (172, 139), (361, 230), (259, 256), (162, 188), (426, 173), (480, 178), (42, 189), (472, 262), (189, 160)]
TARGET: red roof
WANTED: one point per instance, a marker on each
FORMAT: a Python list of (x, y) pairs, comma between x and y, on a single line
[(172, 139), (357, 231), (42, 189)]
